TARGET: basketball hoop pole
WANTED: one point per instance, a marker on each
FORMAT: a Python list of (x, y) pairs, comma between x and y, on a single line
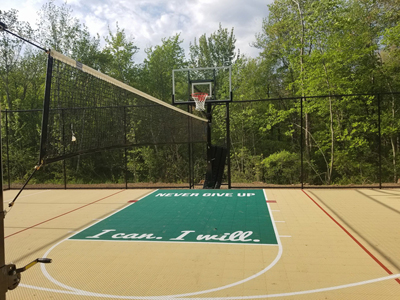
[(209, 154)]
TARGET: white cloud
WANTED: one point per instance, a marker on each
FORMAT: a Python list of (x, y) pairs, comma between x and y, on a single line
[(148, 21)]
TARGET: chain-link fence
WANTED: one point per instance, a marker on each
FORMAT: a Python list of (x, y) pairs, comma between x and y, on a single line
[(328, 141), (168, 165)]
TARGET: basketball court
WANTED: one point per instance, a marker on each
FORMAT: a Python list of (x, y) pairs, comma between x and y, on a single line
[(206, 244)]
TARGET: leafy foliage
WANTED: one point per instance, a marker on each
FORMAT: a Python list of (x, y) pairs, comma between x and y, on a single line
[(282, 168), (307, 48)]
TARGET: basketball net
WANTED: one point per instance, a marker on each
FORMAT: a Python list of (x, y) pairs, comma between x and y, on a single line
[(200, 100)]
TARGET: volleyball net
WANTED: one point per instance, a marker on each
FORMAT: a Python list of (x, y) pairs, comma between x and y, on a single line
[(87, 111)]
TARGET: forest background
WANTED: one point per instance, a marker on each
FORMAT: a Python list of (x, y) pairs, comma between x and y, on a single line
[(346, 51)]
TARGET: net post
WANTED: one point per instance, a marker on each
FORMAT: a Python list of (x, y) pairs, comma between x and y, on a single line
[(46, 108), (3, 273)]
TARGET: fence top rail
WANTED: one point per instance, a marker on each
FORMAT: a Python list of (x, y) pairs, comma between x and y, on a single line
[(314, 97), (233, 102)]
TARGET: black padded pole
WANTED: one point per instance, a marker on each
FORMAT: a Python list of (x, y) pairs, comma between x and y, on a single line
[(190, 150), (228, 143)]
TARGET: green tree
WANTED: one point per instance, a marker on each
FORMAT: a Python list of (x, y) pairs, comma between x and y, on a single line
[(217, 50), (15, 72), (118, 54), (157, 67), (60, 31), (327, 47)]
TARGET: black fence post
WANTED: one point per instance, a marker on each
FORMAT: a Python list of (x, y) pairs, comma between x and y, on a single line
[(8, 152), (380, 141), (63, 142), (125, 151), (301, 143), (228, 143)]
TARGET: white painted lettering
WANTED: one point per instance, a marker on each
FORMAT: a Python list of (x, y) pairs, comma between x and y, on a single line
[(99, 234), (207, 237), (160, 195), (118, 235), (184, 233), (250, 194), (147, 236), (235, 237), (245, 235), (131, 236), (223, 238)]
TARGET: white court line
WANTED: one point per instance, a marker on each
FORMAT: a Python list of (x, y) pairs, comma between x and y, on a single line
[(82, 292), (171, 242), (116, 211), (332, 288), (73, 291), (327, 289), (6, 201)]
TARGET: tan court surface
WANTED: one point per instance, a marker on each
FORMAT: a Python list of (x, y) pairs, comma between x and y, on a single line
[(333, 244)]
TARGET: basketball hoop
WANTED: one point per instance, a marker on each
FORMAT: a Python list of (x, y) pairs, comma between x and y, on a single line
[(200, 100)]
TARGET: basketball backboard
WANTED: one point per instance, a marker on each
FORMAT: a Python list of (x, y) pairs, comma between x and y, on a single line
[(214, 81)]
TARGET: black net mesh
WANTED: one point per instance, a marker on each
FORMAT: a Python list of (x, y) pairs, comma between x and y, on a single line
[(87, 113)]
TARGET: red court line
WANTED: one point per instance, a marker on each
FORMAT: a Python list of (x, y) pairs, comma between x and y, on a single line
[(354, 239), (63, 214)]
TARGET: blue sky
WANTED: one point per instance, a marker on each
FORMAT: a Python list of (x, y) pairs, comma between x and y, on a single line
[(148, 21)]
